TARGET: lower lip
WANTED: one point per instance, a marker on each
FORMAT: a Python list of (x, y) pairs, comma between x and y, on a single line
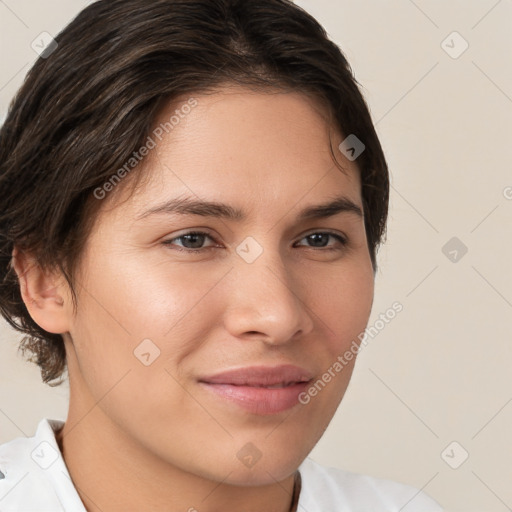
[(260, 400)]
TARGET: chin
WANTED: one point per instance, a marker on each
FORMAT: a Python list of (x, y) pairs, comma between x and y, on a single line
[(262, 473), (262, 462)]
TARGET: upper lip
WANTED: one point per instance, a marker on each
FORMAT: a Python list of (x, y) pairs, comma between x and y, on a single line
[(260, 376)]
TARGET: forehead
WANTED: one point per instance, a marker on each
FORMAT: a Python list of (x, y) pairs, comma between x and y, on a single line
[(239, 146)]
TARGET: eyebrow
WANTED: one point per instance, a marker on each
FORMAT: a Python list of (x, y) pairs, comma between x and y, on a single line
[(191, 206)]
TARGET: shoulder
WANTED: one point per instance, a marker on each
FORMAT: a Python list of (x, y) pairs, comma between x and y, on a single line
[(327, 489), (33, 475)]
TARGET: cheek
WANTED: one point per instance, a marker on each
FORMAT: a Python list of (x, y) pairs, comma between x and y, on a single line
[(129, 338), (343, 305), (131, 319), (144, 297), (342, 312)]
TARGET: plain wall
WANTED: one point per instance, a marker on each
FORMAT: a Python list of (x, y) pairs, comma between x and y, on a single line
[(439, 371)]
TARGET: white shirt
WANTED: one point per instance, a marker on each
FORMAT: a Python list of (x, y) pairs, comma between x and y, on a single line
[(36, 479)]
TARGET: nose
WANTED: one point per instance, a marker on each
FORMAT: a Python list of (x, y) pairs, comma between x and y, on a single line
[(267, 301)]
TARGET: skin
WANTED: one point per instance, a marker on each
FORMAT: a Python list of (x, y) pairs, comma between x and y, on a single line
[(150, 437)]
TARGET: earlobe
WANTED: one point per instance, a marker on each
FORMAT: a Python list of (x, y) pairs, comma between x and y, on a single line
[(44, 293)]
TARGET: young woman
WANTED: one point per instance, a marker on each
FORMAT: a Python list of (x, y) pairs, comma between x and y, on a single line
[(193, 195)]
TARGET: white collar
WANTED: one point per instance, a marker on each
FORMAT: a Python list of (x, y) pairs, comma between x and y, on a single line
[(35, 474)]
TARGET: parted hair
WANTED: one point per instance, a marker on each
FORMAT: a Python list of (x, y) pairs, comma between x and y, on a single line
[(89, 102)]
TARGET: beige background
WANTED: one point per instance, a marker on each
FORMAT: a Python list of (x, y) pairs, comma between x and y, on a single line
[(439, 372)]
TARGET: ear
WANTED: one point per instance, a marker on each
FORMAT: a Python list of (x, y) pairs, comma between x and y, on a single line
[(45, 294)]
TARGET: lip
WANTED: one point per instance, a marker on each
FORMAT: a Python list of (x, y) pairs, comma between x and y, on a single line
[(260, 389)]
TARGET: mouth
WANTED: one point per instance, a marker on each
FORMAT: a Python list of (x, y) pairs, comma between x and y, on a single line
[(259, 389), (277, 386)]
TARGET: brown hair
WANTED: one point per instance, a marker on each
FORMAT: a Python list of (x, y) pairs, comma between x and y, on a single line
[(86, 106)]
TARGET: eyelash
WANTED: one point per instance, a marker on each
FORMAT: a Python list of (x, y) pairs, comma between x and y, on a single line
[(342, 240)]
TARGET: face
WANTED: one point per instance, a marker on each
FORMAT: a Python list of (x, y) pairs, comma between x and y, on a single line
[(197, 347)]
